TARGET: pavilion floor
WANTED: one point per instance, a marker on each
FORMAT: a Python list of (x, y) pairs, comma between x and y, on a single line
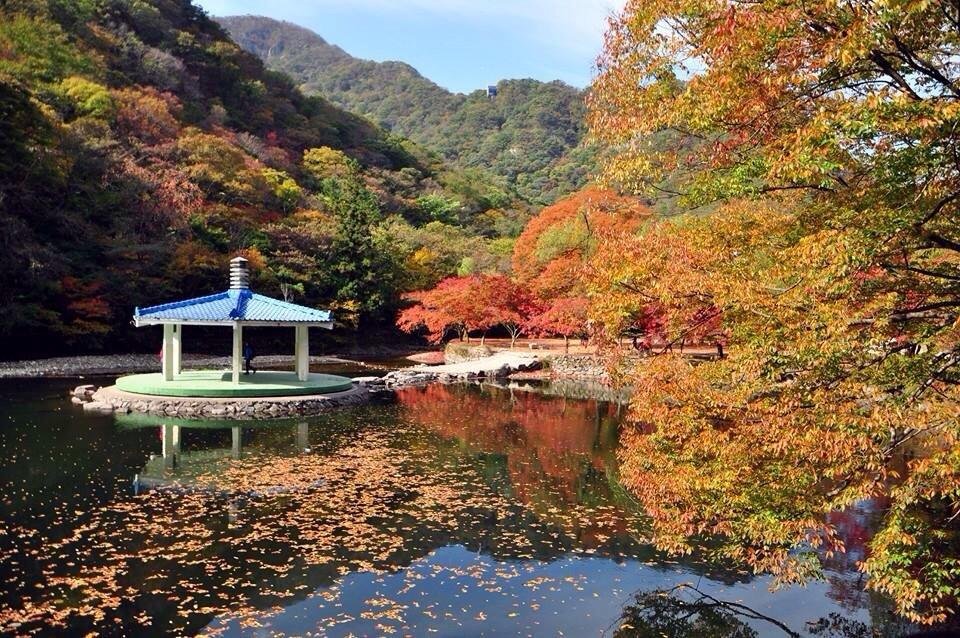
[(217, 383)]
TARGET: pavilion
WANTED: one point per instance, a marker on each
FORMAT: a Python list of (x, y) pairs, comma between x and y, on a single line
[(236, 308)]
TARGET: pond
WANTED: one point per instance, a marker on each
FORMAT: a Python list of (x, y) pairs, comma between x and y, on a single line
[(446, 510)]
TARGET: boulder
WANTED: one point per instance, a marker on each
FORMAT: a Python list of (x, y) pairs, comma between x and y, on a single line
[(461, 352), (98, 406), (84, 391)]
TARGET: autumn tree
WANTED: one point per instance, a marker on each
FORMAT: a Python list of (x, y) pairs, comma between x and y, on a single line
[(550, 251), (822, 138), (566, 317), (507, 304), (551, 255), (467, 304)]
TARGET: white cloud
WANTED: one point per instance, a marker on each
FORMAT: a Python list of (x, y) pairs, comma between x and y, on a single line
[(573, 18)]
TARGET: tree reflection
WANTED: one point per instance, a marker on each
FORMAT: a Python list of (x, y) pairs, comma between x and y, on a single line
[(247, 520), (684, 611), (552, 446)]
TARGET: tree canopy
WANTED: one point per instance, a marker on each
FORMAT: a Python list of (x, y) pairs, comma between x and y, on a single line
[(823, 136), (473, 303)]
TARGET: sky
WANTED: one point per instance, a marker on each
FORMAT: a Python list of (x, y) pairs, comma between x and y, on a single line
[(462, 45)]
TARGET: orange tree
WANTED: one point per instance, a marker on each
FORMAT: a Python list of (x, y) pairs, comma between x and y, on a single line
[(467, 304), (823, 136), (566, 316), (551, 253)]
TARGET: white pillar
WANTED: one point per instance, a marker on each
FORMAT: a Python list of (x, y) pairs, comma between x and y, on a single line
[(177, 349), (236, 434), (303, 352), (237, 351), (296, 350), (167, 359)]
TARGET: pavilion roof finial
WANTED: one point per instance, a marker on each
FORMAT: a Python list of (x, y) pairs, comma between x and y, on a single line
[(239, 274)]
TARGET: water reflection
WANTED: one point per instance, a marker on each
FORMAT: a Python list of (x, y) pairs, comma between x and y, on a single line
[(175, 468), (458, 510), (685, 610)]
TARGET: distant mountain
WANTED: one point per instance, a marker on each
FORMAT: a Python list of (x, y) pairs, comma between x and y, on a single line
[(531, 134)]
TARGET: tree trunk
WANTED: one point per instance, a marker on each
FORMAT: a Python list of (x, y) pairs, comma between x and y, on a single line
[(513, 338), (566, 343), (483, 336)]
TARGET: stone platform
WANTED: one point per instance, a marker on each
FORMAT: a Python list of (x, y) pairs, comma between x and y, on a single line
[(215, 383), (114, 398)]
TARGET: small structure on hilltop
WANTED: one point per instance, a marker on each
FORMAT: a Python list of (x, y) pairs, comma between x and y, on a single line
[(228, 394), (235, 308), (491, 91)]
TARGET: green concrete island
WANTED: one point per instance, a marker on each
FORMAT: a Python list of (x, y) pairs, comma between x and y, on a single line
[(216, 383)]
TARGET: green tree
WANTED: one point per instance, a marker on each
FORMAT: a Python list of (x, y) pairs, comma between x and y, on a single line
[(285, 189), (38, 50), (439, 208), (89, 98), (364, 271)]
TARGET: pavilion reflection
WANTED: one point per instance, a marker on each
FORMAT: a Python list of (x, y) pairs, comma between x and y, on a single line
[(181, 466)]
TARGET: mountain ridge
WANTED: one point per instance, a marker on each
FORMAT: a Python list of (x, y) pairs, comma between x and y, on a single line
[(531, 134)]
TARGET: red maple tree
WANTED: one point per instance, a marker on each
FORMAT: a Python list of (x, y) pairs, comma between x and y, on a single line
[(468, 304), (566, 317)]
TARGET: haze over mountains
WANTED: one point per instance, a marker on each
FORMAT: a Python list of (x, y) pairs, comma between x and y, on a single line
[(531, 134)]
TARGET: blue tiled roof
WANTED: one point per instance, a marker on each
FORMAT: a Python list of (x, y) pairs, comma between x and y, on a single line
[(232, 305)]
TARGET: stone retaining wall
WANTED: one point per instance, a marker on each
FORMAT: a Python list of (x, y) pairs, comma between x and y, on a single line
[(113, 399), (577, 365)]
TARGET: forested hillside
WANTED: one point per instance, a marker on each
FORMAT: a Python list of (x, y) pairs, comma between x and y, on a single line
[(531, 133), (140, 148)]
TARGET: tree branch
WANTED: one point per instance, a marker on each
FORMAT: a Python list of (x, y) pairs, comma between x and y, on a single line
[(877, 58)]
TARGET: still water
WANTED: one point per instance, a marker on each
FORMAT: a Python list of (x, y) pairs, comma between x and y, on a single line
[(446, 511)]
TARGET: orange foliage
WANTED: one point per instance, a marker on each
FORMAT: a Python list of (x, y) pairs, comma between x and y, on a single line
[(466, 304), (193, 255), (147, 114), (255, 258), (87, 310), (549, 253), (566, 316)]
